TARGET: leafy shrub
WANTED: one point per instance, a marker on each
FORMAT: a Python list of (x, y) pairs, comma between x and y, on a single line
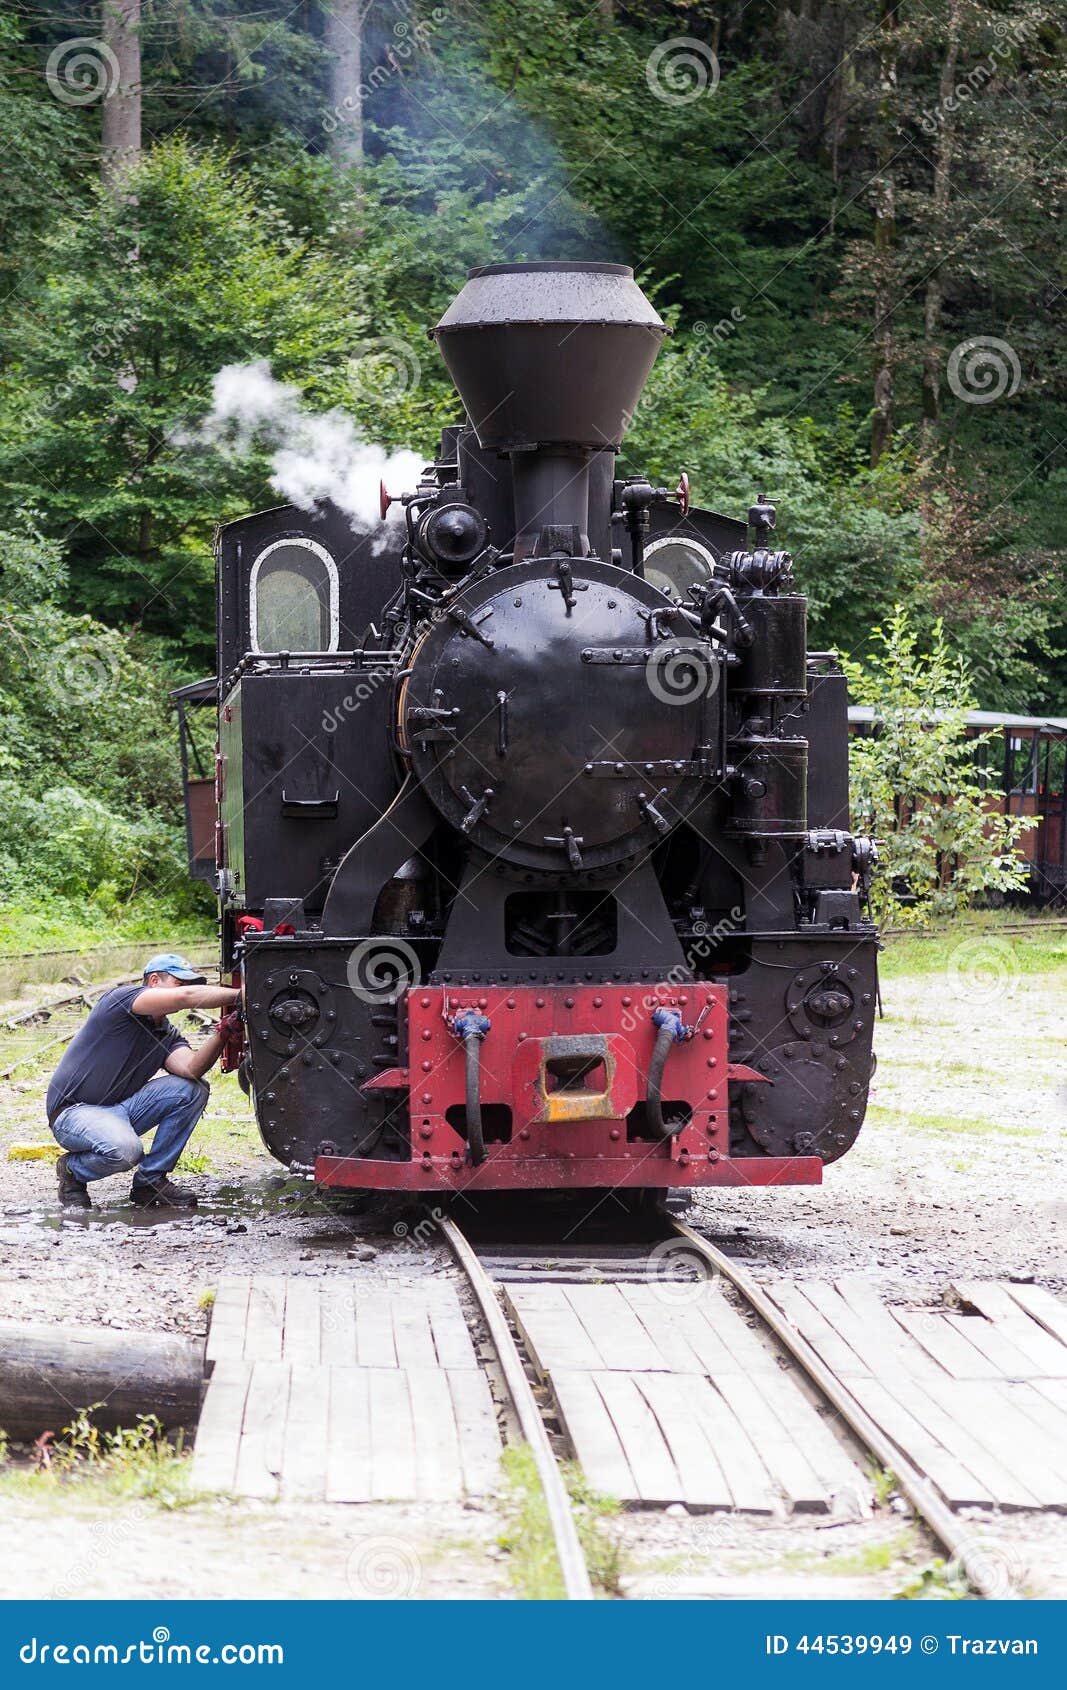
[(915, 785)]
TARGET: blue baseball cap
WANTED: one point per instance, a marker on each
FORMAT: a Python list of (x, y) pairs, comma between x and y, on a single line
[(169, 962)]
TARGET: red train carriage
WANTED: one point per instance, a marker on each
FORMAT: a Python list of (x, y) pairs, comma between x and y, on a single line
[(1021, 764)]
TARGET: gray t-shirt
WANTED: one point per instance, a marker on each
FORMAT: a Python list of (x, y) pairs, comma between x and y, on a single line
[(113, 1055)]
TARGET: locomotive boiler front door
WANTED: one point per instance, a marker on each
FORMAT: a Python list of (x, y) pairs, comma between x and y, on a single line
[(545, 719)]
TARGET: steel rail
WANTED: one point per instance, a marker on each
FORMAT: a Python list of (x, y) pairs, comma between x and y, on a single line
[(1057, 925), (939, 1518), (86, 950), (85, 994), (576, 1582)]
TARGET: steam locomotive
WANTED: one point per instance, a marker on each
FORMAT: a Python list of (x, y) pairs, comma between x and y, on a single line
[(530, 816)]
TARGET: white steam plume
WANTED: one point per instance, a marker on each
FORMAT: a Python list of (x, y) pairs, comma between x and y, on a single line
[(313, 457)]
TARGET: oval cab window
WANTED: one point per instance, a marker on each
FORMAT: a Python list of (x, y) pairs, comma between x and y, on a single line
[(293, 598)]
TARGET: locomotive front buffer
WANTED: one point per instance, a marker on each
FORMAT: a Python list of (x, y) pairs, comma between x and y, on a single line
[(549, 1086)]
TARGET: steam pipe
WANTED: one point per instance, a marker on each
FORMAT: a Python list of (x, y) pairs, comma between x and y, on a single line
[(671, 1030), (472, 1027), (475, 1132)]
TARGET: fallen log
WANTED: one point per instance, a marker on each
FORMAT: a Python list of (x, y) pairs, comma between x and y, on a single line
[(48, 1374)]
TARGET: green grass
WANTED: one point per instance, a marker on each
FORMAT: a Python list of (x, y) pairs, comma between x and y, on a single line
[(871, 1557), (883, 1483), (134, 1463), (527, 1535), (194, 1162), (56, 926), (865, 1560), (932, 1582), (1040, 952), (914, 1121)]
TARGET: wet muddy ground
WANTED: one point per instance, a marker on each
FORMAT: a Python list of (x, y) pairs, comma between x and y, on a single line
[(959, 1173)]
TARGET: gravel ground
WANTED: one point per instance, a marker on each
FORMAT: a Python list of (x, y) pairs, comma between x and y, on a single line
[(957, 1174), (72, 1549)]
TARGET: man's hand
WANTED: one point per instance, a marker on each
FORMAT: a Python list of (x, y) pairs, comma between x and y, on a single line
[(194, 1064), (158, 1001)]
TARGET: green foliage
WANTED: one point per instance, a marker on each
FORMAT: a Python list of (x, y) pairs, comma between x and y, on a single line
[(883, 1483), (138, 304), (533, 131), (541, 131), (39, 144), (915, 786), (194, 1162), (72, 843), (88, 777), (133, 1462), (32, 569), (934, 1581)]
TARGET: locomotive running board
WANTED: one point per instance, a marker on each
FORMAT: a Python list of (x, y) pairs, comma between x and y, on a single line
[(543, 1173)]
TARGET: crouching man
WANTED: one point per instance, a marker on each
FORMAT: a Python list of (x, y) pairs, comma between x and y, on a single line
[(103, 1098)]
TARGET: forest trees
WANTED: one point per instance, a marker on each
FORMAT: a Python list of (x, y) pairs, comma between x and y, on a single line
[(852, 214), (851, 211), (120, 110), (144, 298)]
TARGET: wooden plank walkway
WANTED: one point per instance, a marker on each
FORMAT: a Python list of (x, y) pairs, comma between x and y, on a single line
[(976, 1396), (331, 1391), (681, 1402)]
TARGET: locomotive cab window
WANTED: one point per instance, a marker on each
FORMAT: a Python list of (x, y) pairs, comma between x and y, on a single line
[(293, 598), (675, 563)]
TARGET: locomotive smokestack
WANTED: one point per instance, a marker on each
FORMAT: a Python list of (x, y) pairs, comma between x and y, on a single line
[(550, 361)]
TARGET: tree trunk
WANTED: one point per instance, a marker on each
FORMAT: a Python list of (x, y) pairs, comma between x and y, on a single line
[(931, 403), (48, 1374), (120, 138), (885, 217), (344, 38)]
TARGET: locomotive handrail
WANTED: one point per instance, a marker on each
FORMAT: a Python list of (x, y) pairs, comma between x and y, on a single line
[(322, 662)]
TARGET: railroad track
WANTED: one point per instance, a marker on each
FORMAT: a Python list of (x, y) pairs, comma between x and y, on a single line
[(8, 957), (612, 1346), (1058, 925), (488, 1268), (577, 1584), (29, 1017)]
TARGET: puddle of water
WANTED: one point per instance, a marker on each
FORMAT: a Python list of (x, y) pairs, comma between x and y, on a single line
[(87, 1220), (252, 1201)]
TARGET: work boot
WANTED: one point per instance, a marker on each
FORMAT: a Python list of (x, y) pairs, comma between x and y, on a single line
[(72, 1193), (161, 1193)]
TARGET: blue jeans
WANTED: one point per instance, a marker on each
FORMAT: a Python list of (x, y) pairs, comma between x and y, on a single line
[(103, 1140)]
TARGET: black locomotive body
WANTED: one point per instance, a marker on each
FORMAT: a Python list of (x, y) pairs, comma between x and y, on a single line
[(533, 839)]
